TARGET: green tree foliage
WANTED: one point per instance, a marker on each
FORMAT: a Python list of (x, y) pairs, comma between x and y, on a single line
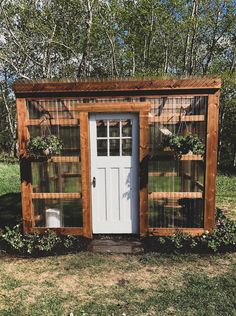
[(103, 38)]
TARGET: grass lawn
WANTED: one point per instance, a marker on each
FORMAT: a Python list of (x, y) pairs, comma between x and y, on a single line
[(87, 284), (91, 284)]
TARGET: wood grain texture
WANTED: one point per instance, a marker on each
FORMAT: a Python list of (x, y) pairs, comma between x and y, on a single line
[(25, 167), (85, 174), (211, 161), (175, 118), (113, 107), (64, 159), (144, 158), (56, 195), (171, 231), (64, 121), (74, 85), (174, 195)]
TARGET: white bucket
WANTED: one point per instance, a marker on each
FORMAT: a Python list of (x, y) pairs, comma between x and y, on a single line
[(53, 217)]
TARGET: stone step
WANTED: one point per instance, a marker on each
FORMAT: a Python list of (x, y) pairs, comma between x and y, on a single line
[(116, 246)]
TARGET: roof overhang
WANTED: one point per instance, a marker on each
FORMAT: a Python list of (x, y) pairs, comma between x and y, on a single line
[(115, 86)]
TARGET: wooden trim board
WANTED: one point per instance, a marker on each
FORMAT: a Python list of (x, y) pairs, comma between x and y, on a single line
[(170, 231), (25, 167), (211, 161), (85, 174), (143, 157)]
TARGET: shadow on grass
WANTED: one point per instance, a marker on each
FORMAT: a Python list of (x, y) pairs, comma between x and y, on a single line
[(10, 209)]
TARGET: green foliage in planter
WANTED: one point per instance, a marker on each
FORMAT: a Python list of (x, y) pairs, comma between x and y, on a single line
[(44, 146), (223, 238), (182, 145)]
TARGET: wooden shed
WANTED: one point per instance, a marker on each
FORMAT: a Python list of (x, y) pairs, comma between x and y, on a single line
[(136, 156)]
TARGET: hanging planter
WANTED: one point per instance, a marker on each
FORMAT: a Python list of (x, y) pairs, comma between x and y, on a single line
[(43, 147), (182, 145)]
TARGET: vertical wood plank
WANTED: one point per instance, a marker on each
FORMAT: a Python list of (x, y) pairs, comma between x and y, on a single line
[(143, 152), (85, 174), (211, 161), (25, 167)]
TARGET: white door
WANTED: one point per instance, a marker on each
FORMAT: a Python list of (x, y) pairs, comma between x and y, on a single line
[(114, 173)]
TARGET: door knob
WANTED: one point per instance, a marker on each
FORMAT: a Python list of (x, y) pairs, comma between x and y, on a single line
[(94, 182)]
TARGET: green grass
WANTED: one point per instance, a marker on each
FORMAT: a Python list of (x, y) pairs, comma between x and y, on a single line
[(226, 195), (91, 284), (9, 178)]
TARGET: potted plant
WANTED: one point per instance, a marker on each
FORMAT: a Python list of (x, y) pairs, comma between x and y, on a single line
[(44, 146), (182, 145)]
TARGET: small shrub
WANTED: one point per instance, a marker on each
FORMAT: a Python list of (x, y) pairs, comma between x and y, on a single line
[(14, 241), (223, 238)]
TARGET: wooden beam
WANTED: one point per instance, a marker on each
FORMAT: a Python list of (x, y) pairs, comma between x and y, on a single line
[(113, 107), (211, 161), (25, 167), (173, 119), (64, 159), (69, 86), (48, 122), (191, 157), (174, 195), (170, 231), (163, 174), (85, 174), (144, 158), (56, 195)]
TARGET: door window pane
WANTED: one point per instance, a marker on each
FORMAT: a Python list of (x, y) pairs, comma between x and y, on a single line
[(114, 128), (101, 128), (102, 147), (127, 128), (114, 147), (126, 147)]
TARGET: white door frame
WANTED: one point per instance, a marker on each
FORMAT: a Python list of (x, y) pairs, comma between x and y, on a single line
[(133, 161)]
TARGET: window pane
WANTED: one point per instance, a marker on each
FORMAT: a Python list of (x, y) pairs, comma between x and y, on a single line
[(102, 147), (114, 128), (126, 147), (101, 128), (127, 128), (52, 177), (58, 212), (114, 147)]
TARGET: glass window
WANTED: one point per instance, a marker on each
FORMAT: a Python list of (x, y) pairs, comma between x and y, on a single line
[(101, 128), (58, 212), (102, 147), (114, 147), (114, 128), (127, 147), (127, 128)]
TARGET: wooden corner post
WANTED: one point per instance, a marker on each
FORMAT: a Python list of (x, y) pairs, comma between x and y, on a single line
[(85, 173), (144, 151), (25, 167), (211, 160)]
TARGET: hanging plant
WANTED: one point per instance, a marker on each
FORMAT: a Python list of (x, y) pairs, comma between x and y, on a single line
[(182, 145), (44, 146)]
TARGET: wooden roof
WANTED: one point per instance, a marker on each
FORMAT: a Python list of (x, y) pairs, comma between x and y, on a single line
[(114, 85)]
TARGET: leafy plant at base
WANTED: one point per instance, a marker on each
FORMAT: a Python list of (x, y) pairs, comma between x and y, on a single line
[(223, 238), (13, 240), (182, 145), (44, 146)]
